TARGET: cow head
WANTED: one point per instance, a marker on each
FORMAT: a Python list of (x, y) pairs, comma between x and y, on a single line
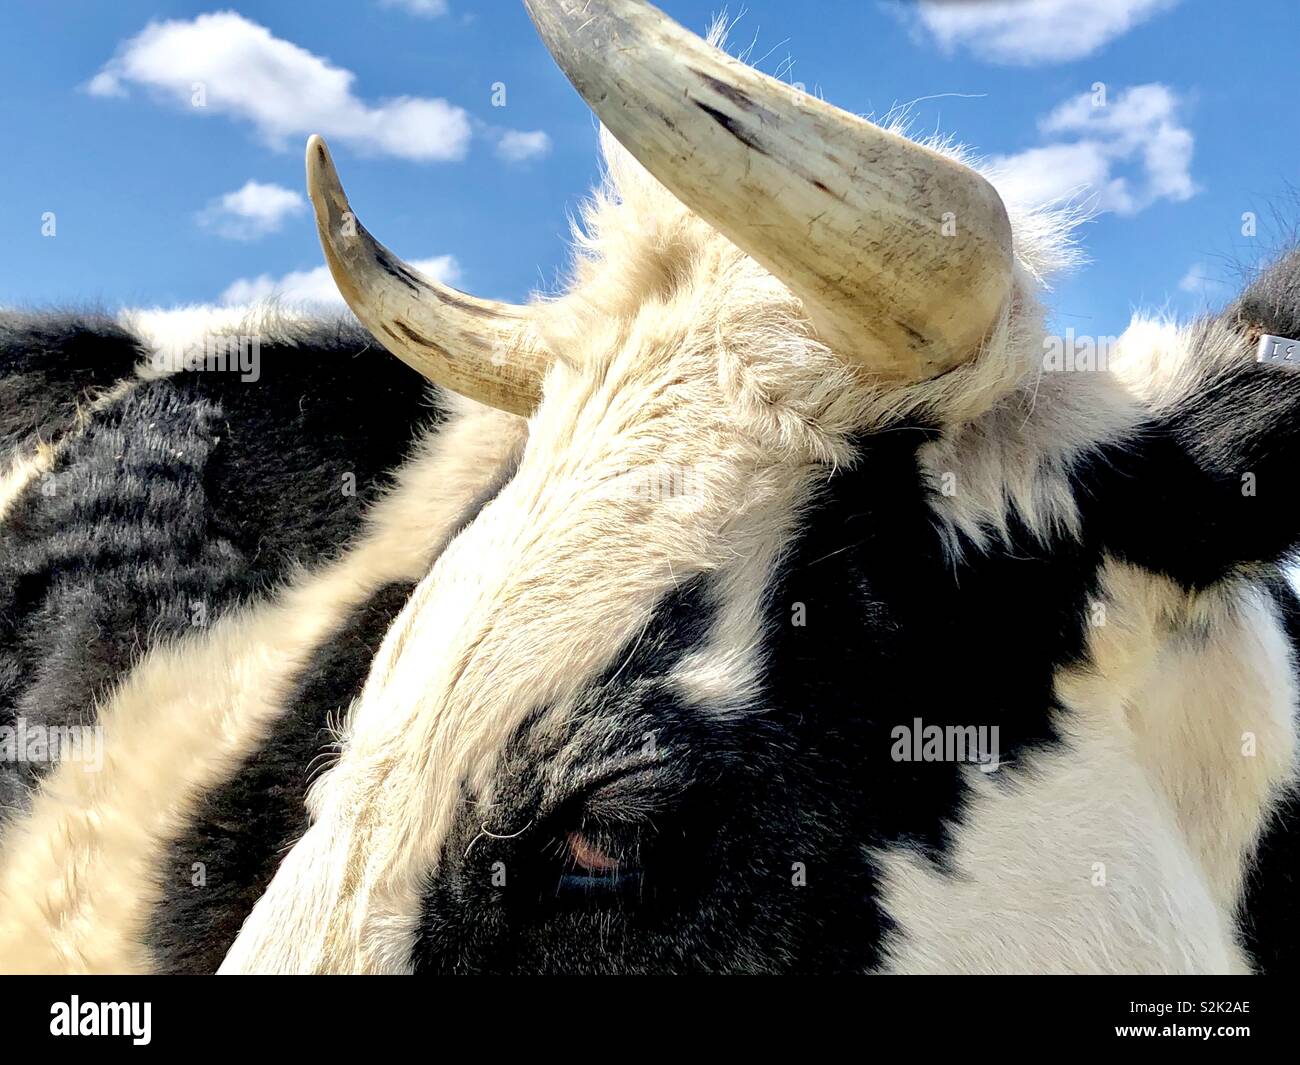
[(644, 711)]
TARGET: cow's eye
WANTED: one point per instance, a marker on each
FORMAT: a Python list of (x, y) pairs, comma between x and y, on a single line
[(598, 862), (604, 839), (588, 856)]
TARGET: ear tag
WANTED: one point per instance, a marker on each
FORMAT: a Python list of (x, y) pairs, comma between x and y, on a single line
[(1278, 351)]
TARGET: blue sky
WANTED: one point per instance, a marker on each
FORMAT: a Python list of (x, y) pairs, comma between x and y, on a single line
[(159, 197)]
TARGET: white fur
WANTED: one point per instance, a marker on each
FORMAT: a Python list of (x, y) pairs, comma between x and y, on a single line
[(19, 472), (1124, 852), (1076, 867), (168, 334)]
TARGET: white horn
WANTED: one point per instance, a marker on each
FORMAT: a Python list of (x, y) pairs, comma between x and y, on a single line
[(479, 348), (901, 256)]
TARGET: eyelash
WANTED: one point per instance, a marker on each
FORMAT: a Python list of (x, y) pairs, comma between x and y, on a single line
[(601, 845), (587, 854), (597, 863)]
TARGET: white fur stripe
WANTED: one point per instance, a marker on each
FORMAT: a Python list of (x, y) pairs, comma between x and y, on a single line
[(168, 334), (24, 467), (21, 471)]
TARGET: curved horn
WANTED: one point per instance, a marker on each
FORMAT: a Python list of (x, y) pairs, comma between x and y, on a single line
[(472, 346), (902, 257)]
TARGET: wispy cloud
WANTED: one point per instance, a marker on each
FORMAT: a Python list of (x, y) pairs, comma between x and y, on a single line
[(423, 8), (517, 146), (316, 288), (252, 211), (223, 63), (1122, 155), (1198, 281), (1029, 32)]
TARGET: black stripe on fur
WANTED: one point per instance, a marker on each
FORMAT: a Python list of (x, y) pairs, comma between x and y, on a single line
[(214, 874), (181, 499), (49, 364)]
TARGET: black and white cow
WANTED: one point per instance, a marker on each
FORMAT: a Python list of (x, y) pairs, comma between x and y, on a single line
[(649, 655)]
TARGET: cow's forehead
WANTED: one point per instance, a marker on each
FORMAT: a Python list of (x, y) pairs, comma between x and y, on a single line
[(613, 508), (610, 512)]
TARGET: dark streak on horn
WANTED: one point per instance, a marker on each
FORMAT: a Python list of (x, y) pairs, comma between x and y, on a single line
[(417, 338), (733, 127), (916, 338), (735, 95), (447, 297), (419, 287), (398, 270)]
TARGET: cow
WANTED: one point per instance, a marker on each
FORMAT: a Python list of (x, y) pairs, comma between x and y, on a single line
[(764, 600)]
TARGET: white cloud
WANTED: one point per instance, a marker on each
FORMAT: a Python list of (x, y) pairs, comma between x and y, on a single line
[(423, 8), (106, 83), (316, 287), (224, 63), (1027, 32), (1123, 155), (252, 211), (517, 146), (1198, 282), (1053, 172)]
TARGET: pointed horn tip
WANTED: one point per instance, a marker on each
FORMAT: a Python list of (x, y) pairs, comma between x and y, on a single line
[(322, 178), (318, 155), (448, 337)]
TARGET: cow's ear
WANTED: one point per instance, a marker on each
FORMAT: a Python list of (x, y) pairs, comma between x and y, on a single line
[(1209, 484)]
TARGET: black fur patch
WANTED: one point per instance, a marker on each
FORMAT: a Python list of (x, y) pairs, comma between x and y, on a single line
[(49, 363), (1211, 487), (748, 834), (216, 872), (1270, 926), (121, 552)]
